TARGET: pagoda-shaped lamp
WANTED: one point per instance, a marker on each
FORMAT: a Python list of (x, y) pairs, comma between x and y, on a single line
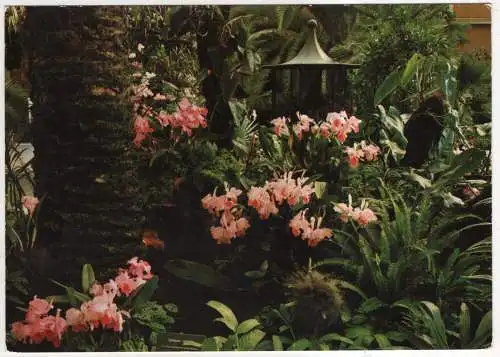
[(311, 82)]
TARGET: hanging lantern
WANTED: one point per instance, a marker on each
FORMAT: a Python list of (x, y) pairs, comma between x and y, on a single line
[(311, 82)]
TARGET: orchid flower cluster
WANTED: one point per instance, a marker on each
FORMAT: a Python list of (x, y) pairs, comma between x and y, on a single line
[(362, 214), (361, 152), (225, 207), (266, 199), (101, 310), (38, 325), (335, 125), (187, 116), (309, 230)]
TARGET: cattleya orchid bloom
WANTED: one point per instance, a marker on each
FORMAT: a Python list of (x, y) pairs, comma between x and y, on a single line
[(335, 124), (309, 230), (38, 325), (75, 318), (215, 204), (266, 199), (354, 156), (290, 189), (230, 228), (340, 125), (303, 126), (344, 210), (280, 126), (142, 129), (370, 152), (224, 205), (470, 192), (362, 215), (101, 310), (361, 152), (29, 204), (187, 117), (260, 199)]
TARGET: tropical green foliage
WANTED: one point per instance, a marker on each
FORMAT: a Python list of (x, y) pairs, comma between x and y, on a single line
[(16, 109), (385, 37), (416, 274)]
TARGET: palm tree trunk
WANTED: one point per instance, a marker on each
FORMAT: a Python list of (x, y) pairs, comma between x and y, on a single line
[(84, 162)]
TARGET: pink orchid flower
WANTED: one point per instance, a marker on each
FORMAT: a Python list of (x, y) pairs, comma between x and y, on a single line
[(30, 203)]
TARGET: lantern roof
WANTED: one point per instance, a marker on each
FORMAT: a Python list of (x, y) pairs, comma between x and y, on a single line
[(311, 54)]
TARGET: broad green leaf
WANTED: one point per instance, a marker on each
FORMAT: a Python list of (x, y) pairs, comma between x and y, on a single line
[(389, 85), (436, 325), (145, 292), (357, 332), (227, 314), (323, 347), (58, 299), (382, 341), (254, 274), (246, 326), (257, 274), (396, 336), (264, 345), (443, 153), (345, 314), (189, 343), (14, 237), (238, 109), (81, 297), (420, 342), (250, 340), (198, 273), (371, 304), (345, 285), (394, 124), (478, 277), (422, 181), (283, 328), (300, 345), (450, 200), (213, 343), (319, 189), (71, 297), (464, 325), (359, 319), (404, 303), (174, 340), (336, 337), (88, 277), (483, 331), (72, 293), (466, 162), (278, 346), (411, 68), (397, 152)]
